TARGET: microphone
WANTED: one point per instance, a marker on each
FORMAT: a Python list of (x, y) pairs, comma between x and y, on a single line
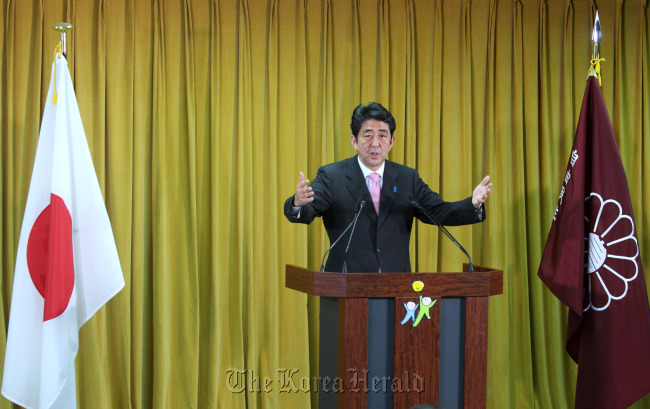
[(445, 231), (361, 204), (357, 211)]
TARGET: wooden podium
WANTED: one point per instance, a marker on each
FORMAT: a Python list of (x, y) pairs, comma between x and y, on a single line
[(416, 371)]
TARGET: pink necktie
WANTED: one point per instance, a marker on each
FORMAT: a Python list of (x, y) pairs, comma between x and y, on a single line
[(375, 190)]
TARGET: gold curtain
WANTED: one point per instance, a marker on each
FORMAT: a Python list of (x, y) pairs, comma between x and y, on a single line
[(201, 113)]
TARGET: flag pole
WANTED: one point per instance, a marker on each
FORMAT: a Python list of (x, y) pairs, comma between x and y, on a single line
[(63, 27), (596, 37)]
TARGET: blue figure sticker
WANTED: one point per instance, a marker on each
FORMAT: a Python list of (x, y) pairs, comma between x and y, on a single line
[(410, 311)]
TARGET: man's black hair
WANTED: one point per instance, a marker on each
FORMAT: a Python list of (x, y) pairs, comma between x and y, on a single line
[(372, 110)]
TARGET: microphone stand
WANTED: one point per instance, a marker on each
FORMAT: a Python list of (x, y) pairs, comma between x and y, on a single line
[(354, 225), (354, 222), (445, 231)]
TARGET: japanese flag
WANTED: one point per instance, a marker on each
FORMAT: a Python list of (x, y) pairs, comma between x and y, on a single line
[(67, 264)]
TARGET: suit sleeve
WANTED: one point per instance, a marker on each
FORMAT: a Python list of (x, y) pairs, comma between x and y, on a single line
[(448, 213), (321, 187)]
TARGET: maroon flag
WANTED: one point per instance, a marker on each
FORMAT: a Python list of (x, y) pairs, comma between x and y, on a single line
[(591, 262)]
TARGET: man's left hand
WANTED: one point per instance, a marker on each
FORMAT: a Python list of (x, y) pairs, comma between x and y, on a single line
[(481, 192)]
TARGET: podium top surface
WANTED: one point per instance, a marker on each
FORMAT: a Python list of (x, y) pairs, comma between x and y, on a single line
[(483, 282)]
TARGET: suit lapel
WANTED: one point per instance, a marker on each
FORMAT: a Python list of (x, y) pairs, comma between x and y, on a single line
[(389, 191), (357, 187)]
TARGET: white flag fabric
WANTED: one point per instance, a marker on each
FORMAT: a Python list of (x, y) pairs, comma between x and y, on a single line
[(67, 264)]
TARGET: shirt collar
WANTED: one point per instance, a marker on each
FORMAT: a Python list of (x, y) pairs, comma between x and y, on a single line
[(367, 171)]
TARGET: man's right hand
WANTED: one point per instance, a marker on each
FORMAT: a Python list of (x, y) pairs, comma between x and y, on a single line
[(304, 193)]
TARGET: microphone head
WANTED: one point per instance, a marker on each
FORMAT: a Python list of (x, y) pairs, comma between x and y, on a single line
[(415, 204), (362, 203)]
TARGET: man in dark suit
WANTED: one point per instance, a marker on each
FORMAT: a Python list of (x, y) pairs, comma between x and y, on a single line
[(381, 239)]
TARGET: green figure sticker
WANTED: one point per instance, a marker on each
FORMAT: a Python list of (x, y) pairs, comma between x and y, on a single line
[(425, 305)]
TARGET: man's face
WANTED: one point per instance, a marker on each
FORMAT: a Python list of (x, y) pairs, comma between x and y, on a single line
[(373, 143)]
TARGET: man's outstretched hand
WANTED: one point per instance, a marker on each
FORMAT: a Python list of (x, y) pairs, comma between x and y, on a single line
[(304, 193), (481, 192)]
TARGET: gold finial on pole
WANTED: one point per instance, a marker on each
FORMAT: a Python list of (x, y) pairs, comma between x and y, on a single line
[(63, 27), (596, 37)]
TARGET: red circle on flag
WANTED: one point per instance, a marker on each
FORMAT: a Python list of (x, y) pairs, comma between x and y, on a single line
[(50, 259)]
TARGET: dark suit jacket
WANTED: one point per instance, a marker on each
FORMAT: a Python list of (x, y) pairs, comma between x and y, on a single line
[(379, 240)]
